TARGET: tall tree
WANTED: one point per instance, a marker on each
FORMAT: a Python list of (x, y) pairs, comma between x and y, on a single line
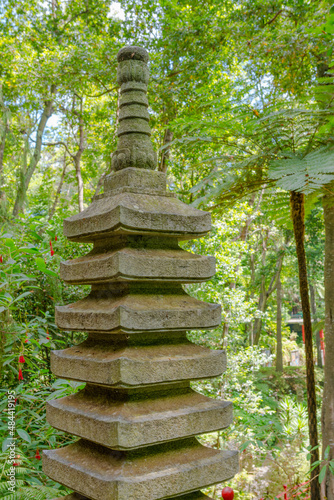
[(298, 219), (279, 350), (328, 396)]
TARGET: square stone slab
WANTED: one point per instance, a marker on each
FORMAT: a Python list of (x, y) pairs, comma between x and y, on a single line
[(97, 362), (131, 213), (98, 416), (129, 264), (160, 472), (192, 496), (107, 312)]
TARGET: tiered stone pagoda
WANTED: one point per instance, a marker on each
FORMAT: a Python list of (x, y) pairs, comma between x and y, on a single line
[(137, 417)]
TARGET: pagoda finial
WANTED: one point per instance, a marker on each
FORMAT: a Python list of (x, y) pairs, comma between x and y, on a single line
[(134, 147)]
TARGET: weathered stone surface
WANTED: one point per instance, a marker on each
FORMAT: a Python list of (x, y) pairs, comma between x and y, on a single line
[(133, 52), (136, 178), (128, 264), (157, 472), (134, 71), (133, 150), (192, 496), (101, 417), (129, 213), (134, 111), (137, 125), (104, 311), (97, 362), (133, 97), (137, 416)]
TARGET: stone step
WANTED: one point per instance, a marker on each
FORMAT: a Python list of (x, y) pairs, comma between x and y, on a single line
[(107, 312), (97, 362), (128, 264), (160, 472), (133, 213), (97, 415)]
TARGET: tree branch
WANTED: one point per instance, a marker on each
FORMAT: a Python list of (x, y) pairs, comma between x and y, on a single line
[(274, 18)]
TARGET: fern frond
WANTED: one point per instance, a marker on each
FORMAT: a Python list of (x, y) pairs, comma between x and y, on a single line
[(307, 174)]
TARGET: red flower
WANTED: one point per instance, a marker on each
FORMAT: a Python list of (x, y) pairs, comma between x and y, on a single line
[(1, 259), (50, 243), (56, 238), (15, 464), (21, 359), (37, 456), (227, 493), (20, 374), (26, 341), (52, 252)]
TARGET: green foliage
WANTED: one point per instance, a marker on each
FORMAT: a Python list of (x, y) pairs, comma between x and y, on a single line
[(246, 90)]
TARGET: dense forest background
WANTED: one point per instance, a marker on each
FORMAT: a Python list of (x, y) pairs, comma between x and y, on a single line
[(241, 97)]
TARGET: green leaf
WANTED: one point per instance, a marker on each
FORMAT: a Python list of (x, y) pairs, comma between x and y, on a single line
[(6, 443), (40, 263), (50, 273), (42, 267), (244, 446), (20, 297), (322, 473), (10, 243), (31, 251), (24, 435), (326, 454), (306, 174)]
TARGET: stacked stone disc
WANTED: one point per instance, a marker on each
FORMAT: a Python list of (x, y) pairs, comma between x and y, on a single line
[(137, 416)]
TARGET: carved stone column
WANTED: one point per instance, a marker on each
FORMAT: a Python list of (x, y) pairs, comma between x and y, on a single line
[(137, 417)]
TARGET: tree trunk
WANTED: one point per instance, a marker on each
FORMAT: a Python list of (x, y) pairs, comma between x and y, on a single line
[(314, 316), (168, 137), (261, 306), (279, 351), (298, 216), (20, 194), (27, 173), (77, 158), (60, 185), (265, 294), (100, 183), (80, 182), (5, 128), (328, 395), (2, 151)]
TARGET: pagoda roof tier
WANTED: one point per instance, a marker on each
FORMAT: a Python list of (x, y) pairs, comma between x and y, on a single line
[(106, 311), (96, 361), (143, 264), (132, 421), (135, 202), (157, 472)]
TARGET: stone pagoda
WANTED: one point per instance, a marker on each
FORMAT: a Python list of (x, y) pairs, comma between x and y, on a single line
[(137, 417)]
